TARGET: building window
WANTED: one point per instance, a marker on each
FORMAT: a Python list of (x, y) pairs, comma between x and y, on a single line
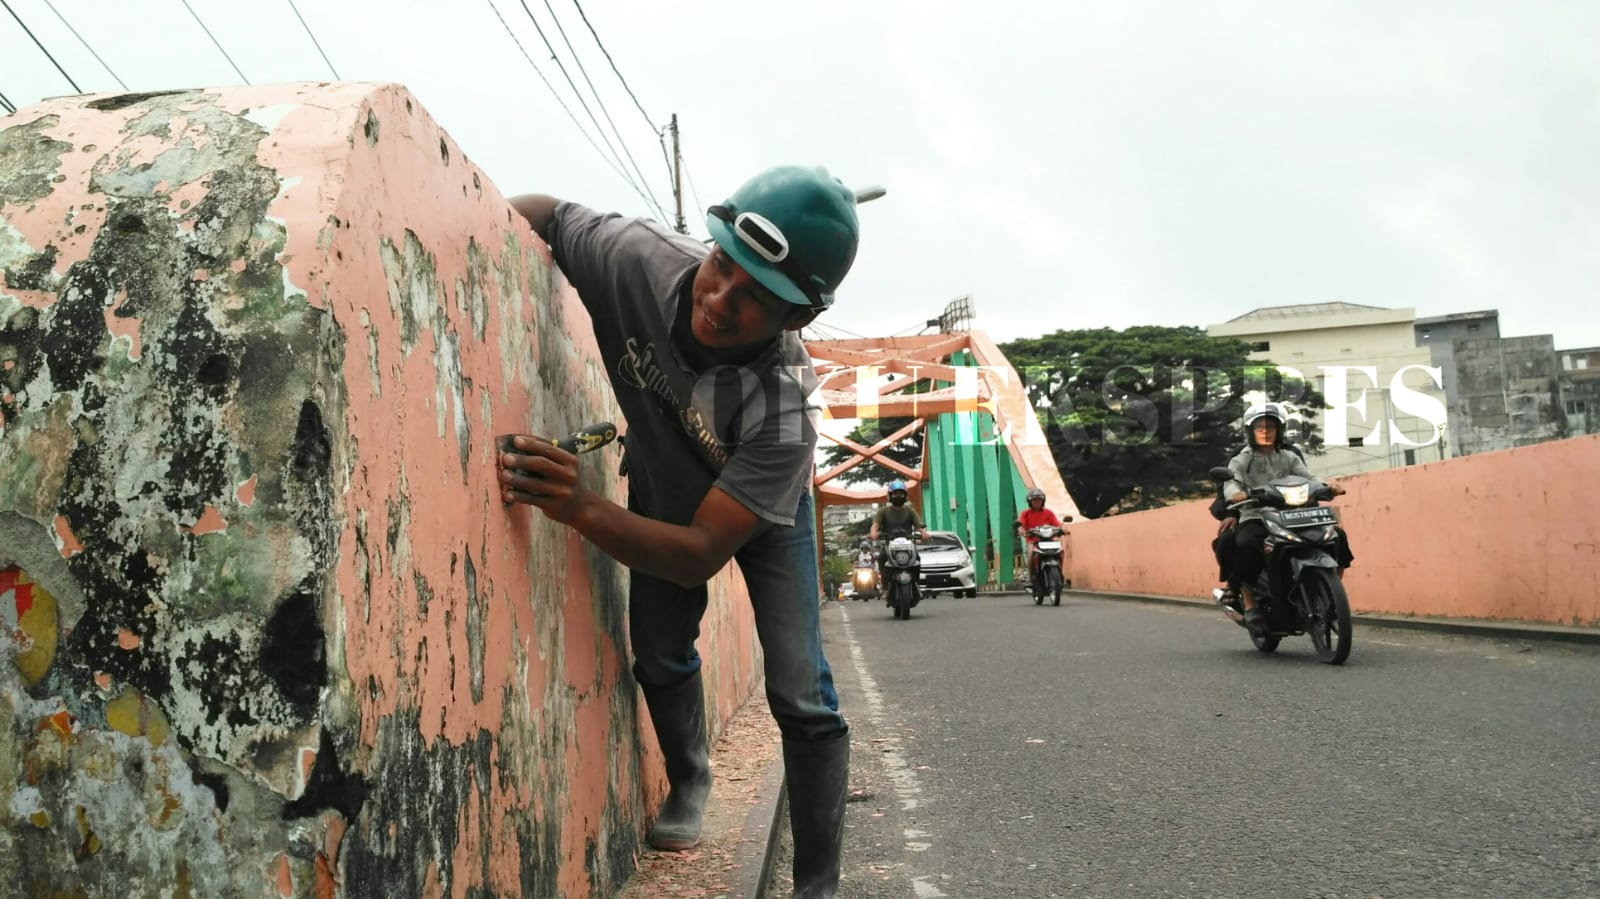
[(1356, 442), (1261, 346), (1581, 363), (1577, 407), (1472, 327), (1566, 363), (1426, 334), (1411, 457)]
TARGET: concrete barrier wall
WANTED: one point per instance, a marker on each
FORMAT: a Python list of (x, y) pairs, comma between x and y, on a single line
[(1505, 536), (267, 628)]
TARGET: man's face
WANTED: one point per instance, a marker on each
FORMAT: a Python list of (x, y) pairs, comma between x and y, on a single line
[(1036, 503), (733, 310), (1266, 431), (897, 498)]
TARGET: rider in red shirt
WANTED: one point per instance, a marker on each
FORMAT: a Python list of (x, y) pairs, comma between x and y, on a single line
[(1034, 516)]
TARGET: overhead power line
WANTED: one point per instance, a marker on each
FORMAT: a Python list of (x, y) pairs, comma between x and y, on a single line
[(36, 43), (660, 132), (6, 104), (640, 106), (314, 41), (562, 103), (85, 44), (214, 41), (693, 192), (602, 104), (649, 201)]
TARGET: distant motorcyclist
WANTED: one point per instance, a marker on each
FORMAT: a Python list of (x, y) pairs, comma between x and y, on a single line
[(865, 557), (1263, 460), (1036, 515)]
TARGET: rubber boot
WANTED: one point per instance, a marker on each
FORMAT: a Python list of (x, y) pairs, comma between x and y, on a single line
[(818, 777), (679, 716)]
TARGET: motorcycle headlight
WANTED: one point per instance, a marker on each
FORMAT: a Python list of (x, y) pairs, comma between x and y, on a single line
[(902, 558), (1297, 495)]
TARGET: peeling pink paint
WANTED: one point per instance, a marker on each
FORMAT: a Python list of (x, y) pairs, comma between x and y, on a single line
[(246, 494), (65, 538), (210, 522), (127, 639)]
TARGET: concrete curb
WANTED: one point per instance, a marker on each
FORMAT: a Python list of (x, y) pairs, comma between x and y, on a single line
[(1500, 630), (752, 865)]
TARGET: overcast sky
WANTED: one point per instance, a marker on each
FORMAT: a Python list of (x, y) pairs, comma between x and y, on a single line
[(1066, 164)]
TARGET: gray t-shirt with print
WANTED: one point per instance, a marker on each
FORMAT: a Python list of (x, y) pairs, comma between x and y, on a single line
[(746, 429)]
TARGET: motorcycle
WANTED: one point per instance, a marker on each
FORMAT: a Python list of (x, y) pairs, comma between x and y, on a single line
[(1299, 590), (1046, 578), (902, 568), (864, 581)]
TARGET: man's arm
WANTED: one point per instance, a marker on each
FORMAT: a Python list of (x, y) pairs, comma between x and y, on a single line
[(687, 555), (539, 210), (1235, 489)]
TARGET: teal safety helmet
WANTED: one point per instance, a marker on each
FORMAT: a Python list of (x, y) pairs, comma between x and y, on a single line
[(794, 229)]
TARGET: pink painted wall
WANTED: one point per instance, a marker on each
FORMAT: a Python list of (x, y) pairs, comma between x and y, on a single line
[(477, 682), (1505, 536)]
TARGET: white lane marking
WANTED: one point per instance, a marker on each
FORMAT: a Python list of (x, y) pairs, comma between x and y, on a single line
[(893, 756)]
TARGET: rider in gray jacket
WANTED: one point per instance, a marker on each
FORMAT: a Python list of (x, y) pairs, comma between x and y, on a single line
[(1255, 466)]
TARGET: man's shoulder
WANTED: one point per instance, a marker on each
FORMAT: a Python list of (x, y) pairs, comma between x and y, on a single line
[(631, 234)]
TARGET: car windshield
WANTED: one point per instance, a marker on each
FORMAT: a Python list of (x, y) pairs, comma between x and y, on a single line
[(942, 541)]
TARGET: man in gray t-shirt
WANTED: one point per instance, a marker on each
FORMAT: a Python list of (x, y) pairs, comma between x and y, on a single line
[(701, 345)]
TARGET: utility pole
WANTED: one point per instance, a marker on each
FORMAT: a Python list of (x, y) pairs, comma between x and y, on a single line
[(677, 176)]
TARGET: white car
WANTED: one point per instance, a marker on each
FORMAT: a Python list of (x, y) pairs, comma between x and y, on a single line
[(946, 565)]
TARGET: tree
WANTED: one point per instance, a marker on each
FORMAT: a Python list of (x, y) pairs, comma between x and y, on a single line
[(1135, 418)]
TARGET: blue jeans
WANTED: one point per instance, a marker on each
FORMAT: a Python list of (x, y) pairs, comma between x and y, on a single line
[(780, 571)]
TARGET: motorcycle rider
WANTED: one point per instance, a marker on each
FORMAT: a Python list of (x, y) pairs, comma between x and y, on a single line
[(1255, 466), (865, 557), (1222, 545), (1036, 515), (896, 519)]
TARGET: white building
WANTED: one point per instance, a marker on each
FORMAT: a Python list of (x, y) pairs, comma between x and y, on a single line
[(1370, 355)]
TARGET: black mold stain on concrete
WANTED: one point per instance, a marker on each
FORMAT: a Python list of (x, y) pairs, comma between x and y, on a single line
[(29, 160), (77, 328), (123, 101), (35, 272), (294, 651), (444, 151), (216, 783), (424, 593), (176, 400), (20, 344), (371, 128), (329, 787), (312, 451), (477, 613), (425, 794)]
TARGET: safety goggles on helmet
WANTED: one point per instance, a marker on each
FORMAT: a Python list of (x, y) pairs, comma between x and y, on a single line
[(767, 241)]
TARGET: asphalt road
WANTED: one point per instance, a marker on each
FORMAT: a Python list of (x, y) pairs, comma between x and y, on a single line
[(1113, 748)]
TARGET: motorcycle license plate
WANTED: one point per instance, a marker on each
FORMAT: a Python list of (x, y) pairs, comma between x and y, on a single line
[(1308, 518), (1049, 546)]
